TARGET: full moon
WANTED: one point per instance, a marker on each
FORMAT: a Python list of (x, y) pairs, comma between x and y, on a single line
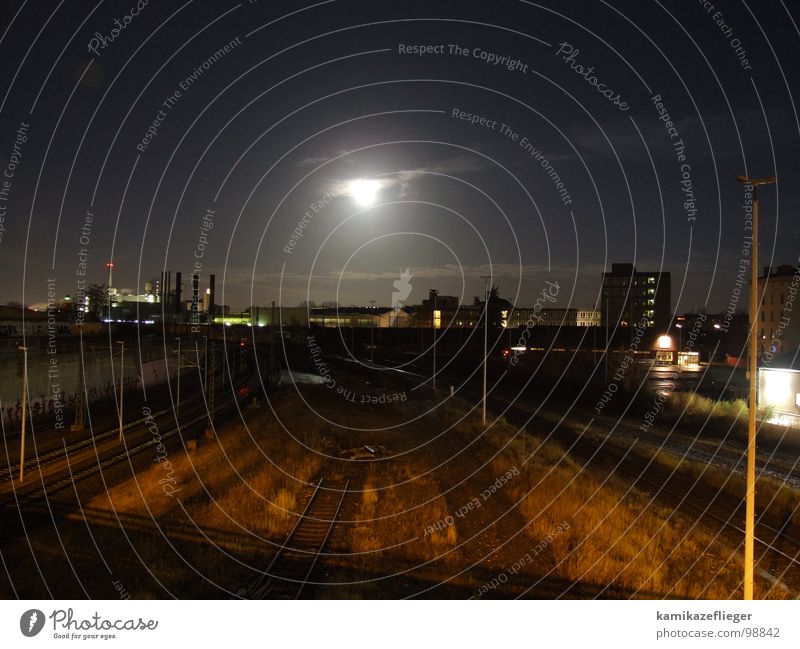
[(364, 191)]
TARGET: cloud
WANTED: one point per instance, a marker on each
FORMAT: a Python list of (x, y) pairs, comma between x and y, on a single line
[(316, 161), (311, 161), (454, 166)]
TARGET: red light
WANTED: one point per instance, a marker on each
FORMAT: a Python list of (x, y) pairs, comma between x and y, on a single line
[(110, 264)]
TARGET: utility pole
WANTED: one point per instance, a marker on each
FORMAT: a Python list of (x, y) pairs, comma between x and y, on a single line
[(486, 279), (121, 343), (607, 317), (372, 333), (434, 293), (79, 425), (750, 507), (24, 351), (273, 370), (178, 388), (210, 387)]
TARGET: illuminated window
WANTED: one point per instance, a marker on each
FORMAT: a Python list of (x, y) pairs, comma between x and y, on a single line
[(437, 319)]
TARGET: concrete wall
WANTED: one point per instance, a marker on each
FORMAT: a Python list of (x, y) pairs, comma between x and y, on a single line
[(54, 378)]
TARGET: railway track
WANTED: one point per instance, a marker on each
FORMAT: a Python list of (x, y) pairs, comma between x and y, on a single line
[(58, 454), (292, 566), (79, 464)]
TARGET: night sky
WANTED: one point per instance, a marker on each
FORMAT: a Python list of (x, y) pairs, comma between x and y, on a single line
[(263, 111)]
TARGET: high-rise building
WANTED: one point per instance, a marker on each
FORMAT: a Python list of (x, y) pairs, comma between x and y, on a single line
[(629, 297)]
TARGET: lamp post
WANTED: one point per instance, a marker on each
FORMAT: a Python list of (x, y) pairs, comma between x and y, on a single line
[(24, 351), (750, 507), (372, 332), (605, 315), (178, 388), (434, 293), (486, 279), (121, 344)]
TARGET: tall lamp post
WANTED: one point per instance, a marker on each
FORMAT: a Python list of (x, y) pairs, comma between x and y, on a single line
[(178, 388), (485, 279), (434, 293), (121, 344), (372, 332), (24, 351), (750, 507)]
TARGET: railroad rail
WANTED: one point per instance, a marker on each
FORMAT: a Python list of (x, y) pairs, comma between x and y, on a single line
[(73, 463), (291, 567)]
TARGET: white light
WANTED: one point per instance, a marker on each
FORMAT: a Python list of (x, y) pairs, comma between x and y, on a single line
[(777, 387), (664, 342), (364, 191)]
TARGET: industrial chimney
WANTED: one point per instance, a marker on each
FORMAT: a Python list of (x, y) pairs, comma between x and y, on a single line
[(212, 293), (178, 291)]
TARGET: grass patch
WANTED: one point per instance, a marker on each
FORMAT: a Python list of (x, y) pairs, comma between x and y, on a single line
[(614, 536)]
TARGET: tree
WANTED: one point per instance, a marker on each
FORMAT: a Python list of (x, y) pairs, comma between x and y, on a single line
[(97, 294)]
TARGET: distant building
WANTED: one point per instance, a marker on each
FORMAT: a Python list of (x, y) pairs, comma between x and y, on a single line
[(447, 311), (629, 297), (555, 317), (779, 322), (357, 316), (588, 317)]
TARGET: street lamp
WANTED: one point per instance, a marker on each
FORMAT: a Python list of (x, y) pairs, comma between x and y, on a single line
[(485, 279), (121, 344), (750, 508), (24, 351), (178, 389), (434, 293), (372, 332)]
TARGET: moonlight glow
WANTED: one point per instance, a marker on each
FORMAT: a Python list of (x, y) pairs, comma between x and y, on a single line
[(364, 191)]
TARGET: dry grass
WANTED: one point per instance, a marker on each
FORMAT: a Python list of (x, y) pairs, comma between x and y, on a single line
[(772, 495), (236, 500), (694, 405), (603, 532), (394, 518)]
